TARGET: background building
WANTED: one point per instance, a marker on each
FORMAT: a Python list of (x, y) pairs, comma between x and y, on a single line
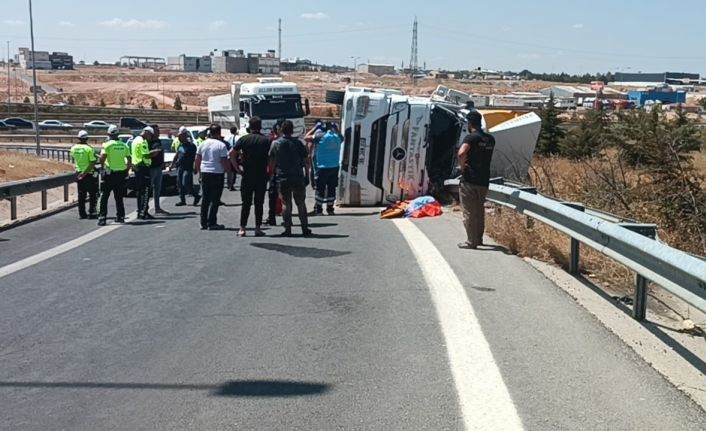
[(655, 79), (234, 61), (377, 69), (665, 96), (186, 63), (45, 61), (580, 92)]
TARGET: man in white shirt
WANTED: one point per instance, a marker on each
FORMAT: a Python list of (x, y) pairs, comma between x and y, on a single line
[(211, 162)]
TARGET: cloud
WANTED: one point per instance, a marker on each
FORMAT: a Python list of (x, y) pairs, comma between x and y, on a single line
[(578, 26), (66, 24), (134, 23), (314, 15), (13, 22), (215, 25)]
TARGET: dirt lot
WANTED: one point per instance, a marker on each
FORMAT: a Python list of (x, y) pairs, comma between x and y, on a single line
[(14, 167), (138, 87)]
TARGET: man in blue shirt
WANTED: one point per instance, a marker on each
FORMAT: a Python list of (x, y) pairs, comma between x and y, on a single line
[(328, 162)]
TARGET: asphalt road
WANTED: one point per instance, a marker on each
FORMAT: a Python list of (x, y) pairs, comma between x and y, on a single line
[(161, 326)]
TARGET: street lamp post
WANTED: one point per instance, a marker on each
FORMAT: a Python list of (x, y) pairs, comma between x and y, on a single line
[(8, 78), (34, 81), (355, 68)]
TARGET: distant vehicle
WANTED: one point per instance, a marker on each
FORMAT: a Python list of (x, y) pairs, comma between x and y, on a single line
[(19, 123), (125, 137), (60, 104), (54, 124), (5, 126), (96, 124), (133, 124)]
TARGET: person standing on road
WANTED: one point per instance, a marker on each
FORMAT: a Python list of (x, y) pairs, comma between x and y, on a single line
[(212, 162), (312, 139), (201, 138), (184, 163), (474, 159), (253, 151), (156, 168), (328, 163), (272, 193), (115, 158), (86, 176), (231, 175), (289, 160), (141, 162)]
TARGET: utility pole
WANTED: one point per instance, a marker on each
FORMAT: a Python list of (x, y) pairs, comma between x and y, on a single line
[(8, 78), (279, 46), (355, 68), (34, 81)]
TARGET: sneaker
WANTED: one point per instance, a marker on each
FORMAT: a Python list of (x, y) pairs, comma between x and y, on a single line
[(120, 220), (180, 204), (466, 246), (93, 216), (216, 227), (271, 222), (306, 232), (83, 217), (330, 211), (259, 233), (161, 211), (197, 199), (147, 216), (101, 223), (242, 232), (204, 227), (286, 233)]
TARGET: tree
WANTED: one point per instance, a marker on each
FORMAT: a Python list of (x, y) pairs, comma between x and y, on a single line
[(153, 104), (26, 100), (177, 103), (592, 136), (702, 102), (551, 134), (71, 100), (101, 103), (96, 63)]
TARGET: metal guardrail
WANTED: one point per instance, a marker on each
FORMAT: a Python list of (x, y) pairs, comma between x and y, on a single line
[(53, 153), (629, 243), (12, 190)]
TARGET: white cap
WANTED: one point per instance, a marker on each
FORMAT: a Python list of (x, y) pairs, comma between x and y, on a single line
[(83, 134), (113, 129), (182, 129), (148, 129)]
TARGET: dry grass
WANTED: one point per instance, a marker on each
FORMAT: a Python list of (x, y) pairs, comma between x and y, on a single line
[(14, 167)]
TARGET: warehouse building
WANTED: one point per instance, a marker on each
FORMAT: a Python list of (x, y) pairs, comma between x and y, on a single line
[(234, 61), (579, 92), (43, 60), (656, 79), (377, 69), (665, 96), (186, 63)]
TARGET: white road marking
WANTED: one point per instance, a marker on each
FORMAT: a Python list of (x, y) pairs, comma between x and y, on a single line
[(483, 397), (63, 248)]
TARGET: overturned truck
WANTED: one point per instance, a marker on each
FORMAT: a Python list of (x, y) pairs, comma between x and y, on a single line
[(400, 147)]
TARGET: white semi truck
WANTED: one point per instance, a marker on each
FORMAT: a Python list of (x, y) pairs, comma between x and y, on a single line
[(400, 147), (269, 98)]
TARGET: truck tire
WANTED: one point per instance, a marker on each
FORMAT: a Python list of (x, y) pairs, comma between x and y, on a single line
[(334, 96)]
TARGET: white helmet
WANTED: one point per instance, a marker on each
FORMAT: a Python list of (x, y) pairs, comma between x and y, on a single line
[(83, 134)]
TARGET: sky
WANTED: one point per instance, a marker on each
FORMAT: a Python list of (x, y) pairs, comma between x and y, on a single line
[(539, 35)]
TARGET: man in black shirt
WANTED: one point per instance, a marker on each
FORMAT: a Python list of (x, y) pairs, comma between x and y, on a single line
[(289, 159), (157, 154), (253, 151), (474, 159)]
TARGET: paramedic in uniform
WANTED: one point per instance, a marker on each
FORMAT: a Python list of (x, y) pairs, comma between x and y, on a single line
[(87, 179), (474, 158), (115, 158)]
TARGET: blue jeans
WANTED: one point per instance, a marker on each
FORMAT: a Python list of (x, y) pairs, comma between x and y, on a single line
[(156, 178), (185, 183)]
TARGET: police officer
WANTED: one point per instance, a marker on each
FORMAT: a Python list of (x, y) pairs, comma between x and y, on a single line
[(474, 158), (141, 163), (87, 178), (203, 134), (115, 158)]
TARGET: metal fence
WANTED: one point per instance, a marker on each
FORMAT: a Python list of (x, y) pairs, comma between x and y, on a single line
[(12, 190), (629, 243), (53, 153)]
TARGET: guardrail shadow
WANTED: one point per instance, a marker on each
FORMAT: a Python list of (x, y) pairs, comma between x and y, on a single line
[(655, 329), (233, 388)]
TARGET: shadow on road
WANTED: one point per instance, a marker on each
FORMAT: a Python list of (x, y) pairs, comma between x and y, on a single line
[(321, 225), (235, 388), (303, 252), (144, 223)]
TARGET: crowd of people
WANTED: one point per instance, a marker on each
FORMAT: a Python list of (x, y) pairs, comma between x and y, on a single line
[(278, 165)]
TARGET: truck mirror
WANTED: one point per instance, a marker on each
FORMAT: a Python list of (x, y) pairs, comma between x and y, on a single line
[(307, 110)]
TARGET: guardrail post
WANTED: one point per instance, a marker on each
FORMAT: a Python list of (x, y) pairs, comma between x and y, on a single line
[(44, 200), (575, 254), (639, 307), (66, 192), (13, 208)]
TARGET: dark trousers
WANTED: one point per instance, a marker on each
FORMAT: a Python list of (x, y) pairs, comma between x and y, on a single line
[(272, 195), (142, 190), (212, 185), (185, 183), (252, 186), (87, 187), (326, 184), (289, 191), (473, 204), (116, 183), (231, 176)]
